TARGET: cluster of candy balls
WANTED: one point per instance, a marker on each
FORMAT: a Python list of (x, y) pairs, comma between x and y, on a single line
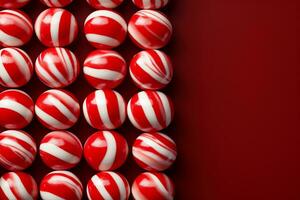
[(104, 109)]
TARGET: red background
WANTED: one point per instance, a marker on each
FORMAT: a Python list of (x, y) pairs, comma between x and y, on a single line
[(236, 93)]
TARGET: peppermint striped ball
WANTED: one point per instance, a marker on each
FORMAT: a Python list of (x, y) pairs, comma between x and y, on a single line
[(57, 109), (105, 150), (15, 28), (17, 107), (18, 186), (57, 67), (104, 4), (16, 67), (17, 150), (150, 111), (59, 185), (150, 29), (105, 29), (154, 151), (150, 186), (13, 4), (151, 69), (56, 27), (108, 185), (56, 3), (104, 69), (150, 4), (60, 150), (104, 109)]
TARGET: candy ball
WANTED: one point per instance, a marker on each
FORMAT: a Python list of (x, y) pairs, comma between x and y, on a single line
[(104, 69), (150, 4), (154, 151), (56, 3), (104, 4), (56, 27), (17, 107), (104, 109), (105, 150), (13, 4), (57, 67), (15, 27), (18, 185), (156, 186), (151, 69), (150, 111), (17, 150), (57, 109), (150, 29), (60, 150), (105, 29), (16, 67), (61, 185), (108, 185)]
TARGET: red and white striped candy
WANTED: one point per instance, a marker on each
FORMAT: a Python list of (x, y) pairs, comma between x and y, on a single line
[(150, 111), (154, 151), (56, 27), (105, 150), (105, 29), (151, 69), (149, 186), (104, 109), (59, 185), (104, 4), (56, 3), (57, 67), (18, 186), (16, 67), (17, 107), (150, 4), (57, 109), (13, 4), (15, 28), (150, 29), (108, 185), (60, 150), (17, 150), (104, 69)]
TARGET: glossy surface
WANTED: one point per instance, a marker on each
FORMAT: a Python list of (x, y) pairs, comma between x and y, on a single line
[(150, 4), (56, 3), (104, 69), (104, 4), (108, 185), (57, 67), (60, 150), (13, 4), (105, 150)]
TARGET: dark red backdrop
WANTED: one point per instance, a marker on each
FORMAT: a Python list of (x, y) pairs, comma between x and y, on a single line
[(236, 92)]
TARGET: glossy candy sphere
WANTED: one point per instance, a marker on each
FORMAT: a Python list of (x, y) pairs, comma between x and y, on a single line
[(56, 3), (108, 185), (104, 4), (151, 70), (105, 29), (150, 29), (104, 69), (150, 4), (60, 150), (57, 109), (104, 109), (17, 107), (150, 186), (150, 111), (15, 27), (57, 67), (61, 185), (56, 27), (16, 67), (13, 4), (17, 150), (19, 186), (154, 151), (105, 150)]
